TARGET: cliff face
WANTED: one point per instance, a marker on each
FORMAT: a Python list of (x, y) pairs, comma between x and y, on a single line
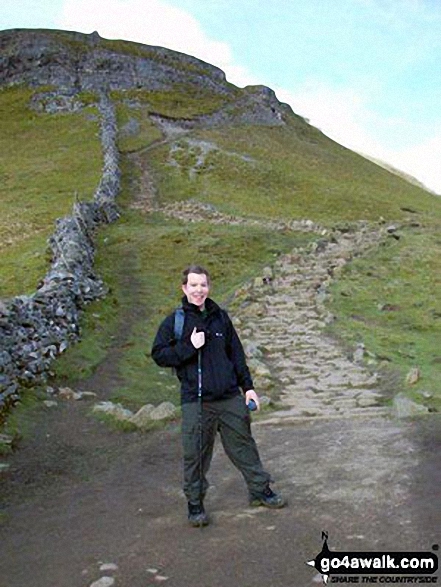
[(71, 62), (75, 61)]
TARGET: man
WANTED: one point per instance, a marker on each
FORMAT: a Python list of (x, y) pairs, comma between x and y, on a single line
[(211, 366)]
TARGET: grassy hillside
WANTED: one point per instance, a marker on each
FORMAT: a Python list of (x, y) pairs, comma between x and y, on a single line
[(290, 172), (257, 171), (141, 258), (45, 159), (284, 172)]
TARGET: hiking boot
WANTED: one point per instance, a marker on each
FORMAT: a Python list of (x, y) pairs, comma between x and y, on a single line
[(196, 515), (267, 498)]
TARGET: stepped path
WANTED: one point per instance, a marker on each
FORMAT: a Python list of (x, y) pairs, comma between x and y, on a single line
[(283, 315), (85, 505), (285, 322)]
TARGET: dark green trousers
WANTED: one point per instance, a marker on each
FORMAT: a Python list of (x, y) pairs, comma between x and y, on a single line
[(231, 419)]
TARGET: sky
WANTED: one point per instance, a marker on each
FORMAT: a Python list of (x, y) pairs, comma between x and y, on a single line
[(367, 73)]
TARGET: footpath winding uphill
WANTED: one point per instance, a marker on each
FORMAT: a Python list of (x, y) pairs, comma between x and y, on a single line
[(281, 317), (87, 506), (314, 375)]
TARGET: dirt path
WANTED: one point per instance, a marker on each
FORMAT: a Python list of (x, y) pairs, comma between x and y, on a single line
[(82, 499), (78, 495)]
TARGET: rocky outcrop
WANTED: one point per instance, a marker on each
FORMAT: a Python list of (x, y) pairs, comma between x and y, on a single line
[(75, 61), (72, 63), (35, 329)]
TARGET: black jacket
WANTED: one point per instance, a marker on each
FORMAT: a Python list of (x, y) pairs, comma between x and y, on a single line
[(224, 368)]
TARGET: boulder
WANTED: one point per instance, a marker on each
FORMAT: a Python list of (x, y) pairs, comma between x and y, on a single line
[(403, 407), (143, 416), (163, 411), (413, 376), (68, 394), (115, 410)]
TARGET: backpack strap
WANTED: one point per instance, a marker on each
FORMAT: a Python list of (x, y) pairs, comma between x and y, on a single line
[(179, 322)]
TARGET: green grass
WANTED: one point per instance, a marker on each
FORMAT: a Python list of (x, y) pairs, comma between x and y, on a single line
[(294, 173), (141, 259), (183, 101), (146, 133), (290, 172), (45, 160), (390, 301)]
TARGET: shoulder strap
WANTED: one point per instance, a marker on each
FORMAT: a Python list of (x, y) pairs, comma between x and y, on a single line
[(179, 322)]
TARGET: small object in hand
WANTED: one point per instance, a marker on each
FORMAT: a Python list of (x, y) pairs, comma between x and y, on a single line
[(252, 406)]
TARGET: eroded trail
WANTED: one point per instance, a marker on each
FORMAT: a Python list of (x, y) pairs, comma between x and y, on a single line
[(284, 317), (84, 503)]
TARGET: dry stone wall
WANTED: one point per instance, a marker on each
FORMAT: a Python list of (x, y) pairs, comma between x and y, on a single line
[(34, 329)]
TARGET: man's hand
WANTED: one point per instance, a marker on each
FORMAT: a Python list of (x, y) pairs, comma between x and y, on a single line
[(252, 395), (197, 338)]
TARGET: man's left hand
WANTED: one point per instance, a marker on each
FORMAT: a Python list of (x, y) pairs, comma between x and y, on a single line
[(252, 395)]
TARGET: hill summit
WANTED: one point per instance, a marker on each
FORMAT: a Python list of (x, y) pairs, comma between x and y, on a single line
[(74, 62)]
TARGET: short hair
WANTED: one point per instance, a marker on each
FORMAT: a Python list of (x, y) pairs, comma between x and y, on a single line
[(194, 269)]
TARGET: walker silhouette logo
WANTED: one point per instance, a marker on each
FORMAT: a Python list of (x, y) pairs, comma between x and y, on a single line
[(406, 564)]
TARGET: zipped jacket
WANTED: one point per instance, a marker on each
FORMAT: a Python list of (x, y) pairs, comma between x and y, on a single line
[(224, 368)]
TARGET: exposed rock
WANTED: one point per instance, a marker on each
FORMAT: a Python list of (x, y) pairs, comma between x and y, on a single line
[(413, 376), (6, 440), (251, 349), (163, 411), (258, 368), (69, 394), (43, 58), (104, 582), (403, 407), (108, 567), (359, 353), (426, 394), (87, 394), (366, 401), (115, 410), (143, 416)]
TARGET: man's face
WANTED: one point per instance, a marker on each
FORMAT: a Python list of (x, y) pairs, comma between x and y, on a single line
[(196, 289)]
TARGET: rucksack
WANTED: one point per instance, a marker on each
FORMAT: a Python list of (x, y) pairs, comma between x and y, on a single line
[(179, 322), (180, 319)]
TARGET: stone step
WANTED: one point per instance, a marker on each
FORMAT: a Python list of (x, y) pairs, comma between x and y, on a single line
[(279, 418)]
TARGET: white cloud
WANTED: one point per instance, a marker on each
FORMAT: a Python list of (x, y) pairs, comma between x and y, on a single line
[(344, 115), (154, 23), (422, 161), (341, 113)]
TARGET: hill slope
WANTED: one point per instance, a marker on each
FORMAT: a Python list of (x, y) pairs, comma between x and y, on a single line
[(192, 143)]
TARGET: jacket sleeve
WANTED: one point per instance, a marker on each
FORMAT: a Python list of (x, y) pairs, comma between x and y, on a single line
[(238, 358), (168, 352)]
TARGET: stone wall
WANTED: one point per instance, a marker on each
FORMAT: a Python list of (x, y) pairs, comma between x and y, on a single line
[(35, 329)]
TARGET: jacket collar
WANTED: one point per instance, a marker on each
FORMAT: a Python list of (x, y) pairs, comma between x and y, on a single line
[(210, 306)]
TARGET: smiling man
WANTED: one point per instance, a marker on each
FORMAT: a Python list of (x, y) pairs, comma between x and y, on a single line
[(216, 387)]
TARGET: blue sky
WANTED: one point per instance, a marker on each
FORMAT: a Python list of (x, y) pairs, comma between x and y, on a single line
[(366, 72)]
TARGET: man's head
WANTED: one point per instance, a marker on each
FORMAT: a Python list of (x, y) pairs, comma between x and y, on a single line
[(196, 285)]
